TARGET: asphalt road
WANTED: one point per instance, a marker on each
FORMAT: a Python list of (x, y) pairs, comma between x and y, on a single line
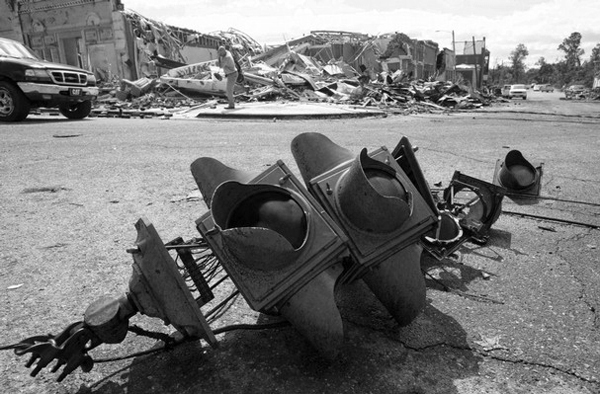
[(517, 315)]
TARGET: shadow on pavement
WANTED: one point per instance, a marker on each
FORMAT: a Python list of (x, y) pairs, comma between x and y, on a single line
[(378, 356), (452, 273), (523, 199)]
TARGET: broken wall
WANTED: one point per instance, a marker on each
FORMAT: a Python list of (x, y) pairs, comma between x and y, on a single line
[(150, 38), (430, 51), (467, 75), (446, 64)]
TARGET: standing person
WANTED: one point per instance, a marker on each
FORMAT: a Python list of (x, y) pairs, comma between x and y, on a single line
[(227, 63)]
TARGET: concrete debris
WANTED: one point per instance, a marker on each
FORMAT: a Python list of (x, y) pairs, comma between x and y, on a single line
[(239, 42), (341, 68)]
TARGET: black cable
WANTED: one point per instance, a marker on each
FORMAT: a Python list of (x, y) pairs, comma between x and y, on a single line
[(524, 196), (11, 347), (266, 326), (150, 334), (223, 306), (529, 215), (217, 331), (519, 195), (133, 355)]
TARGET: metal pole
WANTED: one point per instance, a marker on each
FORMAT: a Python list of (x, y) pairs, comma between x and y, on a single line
[(454, 50), (475, 58)]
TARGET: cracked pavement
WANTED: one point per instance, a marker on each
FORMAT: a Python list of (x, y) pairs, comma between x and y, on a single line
[(517, 315)]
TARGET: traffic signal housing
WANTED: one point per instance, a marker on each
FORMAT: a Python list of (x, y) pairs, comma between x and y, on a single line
[(468, 210), (518, 176), (380, 211), (280, 248)]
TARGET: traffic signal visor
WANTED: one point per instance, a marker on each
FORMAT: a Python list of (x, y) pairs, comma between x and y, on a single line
[(262, 225), (371, 197)]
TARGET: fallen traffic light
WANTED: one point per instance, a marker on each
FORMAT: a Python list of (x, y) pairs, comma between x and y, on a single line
[(279, 247), (381, 212), (518, 175), (469, 208), (404, 154), (157, 288)]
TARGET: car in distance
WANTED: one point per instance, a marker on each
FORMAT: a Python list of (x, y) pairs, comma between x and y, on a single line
[(574, 91), (512, 91), (26, 82), (546, 88)]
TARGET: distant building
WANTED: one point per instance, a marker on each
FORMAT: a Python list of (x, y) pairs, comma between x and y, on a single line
[(398, 52), (472, 62)]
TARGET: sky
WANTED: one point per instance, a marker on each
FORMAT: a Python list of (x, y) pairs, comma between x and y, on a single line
[(541, 25)]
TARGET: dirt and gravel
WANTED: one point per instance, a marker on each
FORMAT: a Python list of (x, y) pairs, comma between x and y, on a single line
[(518, 315)]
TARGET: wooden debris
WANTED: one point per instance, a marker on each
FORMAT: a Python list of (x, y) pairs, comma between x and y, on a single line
[(299, 70)]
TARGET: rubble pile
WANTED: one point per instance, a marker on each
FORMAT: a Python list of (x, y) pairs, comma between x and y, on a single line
[(313, 68), (239, 42)]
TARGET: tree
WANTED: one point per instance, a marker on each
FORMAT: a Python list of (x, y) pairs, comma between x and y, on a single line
[(500, 75), (573, 53), (595, 57), (590, 69), (517, 60), (546, 71)]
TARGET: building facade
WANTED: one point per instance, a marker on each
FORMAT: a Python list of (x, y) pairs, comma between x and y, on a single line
[(473, 62), (101, 36)]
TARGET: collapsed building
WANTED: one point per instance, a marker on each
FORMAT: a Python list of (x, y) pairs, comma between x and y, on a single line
[(112, 41), (122, 47)]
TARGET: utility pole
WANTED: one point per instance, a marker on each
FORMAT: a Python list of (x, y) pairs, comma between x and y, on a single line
[(454, 50), (476, 63)]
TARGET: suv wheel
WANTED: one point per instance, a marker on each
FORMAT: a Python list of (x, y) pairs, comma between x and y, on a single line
[(14, 106), (77, 110)]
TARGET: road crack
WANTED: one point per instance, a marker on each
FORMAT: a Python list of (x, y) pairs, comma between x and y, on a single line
[(569, 372), (487, 354), (586, 299)]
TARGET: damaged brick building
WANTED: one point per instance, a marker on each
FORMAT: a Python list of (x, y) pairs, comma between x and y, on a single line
[(101, 36)]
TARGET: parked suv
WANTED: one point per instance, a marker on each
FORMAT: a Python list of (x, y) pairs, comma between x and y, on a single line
[(27, 81), (510, 91)]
